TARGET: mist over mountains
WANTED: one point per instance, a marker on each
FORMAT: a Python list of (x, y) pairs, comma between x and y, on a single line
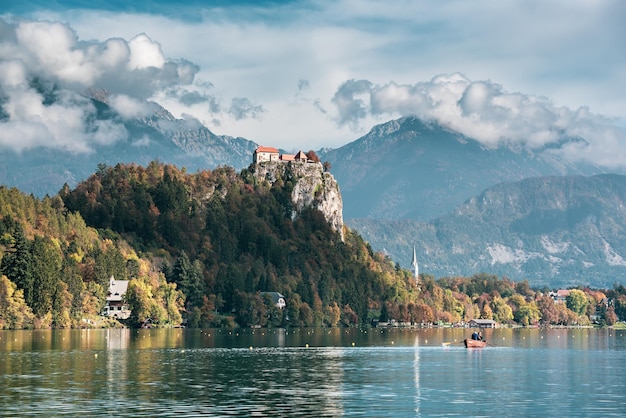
[(155, 136), (411, 169), (525, 213)]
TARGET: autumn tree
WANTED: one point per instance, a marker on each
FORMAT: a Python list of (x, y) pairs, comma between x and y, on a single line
[(609, 316), (502, 312), (14, 312), (547, 309), (424, 314), (486, 312), (311, 155), (332, 315)]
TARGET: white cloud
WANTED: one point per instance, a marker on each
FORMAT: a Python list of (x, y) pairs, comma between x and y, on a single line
[(13, 74), (45, 68), (257, 57), (128, 107), (145, 53), (485, 111), (31, 123)]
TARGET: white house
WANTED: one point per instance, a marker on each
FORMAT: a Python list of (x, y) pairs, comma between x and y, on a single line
[(277, 298), (115, 306), (262, 154)]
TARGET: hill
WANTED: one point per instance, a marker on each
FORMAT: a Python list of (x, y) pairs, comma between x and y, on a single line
[(555, 231), (244, 235)]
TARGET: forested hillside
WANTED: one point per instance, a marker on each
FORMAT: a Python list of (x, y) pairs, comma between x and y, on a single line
[(55, 269), (225, 238), (205, 247)]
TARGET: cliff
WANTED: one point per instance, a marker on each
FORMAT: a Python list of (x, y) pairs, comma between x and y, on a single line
[(312, 188)]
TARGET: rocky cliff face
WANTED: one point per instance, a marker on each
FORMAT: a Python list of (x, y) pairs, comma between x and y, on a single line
[(312, 188)]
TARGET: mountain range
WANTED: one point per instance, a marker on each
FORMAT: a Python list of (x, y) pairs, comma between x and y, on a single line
[(408, 183), (552, 231), (158, 136), (411, 169)]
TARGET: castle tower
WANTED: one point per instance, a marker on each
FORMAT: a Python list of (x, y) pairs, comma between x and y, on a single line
[(416, 269)]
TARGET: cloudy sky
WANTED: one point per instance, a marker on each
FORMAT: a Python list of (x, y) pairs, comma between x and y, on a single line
[(310, 74)]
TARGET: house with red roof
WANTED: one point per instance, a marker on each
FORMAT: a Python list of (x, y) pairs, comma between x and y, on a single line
[(560, 296), (262, 154), (265, 154), (301, 157)]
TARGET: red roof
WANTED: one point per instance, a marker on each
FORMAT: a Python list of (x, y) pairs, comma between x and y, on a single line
[(267, 149)]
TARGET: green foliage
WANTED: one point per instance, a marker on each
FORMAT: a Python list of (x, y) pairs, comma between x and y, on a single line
[(576, 301), (209, 245), (14, 312), (45, 267)]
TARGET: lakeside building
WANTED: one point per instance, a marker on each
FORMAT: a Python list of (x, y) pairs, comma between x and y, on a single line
[(115, 306)]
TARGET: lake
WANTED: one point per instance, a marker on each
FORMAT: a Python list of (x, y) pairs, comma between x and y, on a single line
[(312, 372)]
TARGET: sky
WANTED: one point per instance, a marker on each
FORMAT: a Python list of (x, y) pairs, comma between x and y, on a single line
[(310, 74)]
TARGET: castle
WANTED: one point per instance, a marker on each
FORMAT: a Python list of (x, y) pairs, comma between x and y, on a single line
[(263, 154)]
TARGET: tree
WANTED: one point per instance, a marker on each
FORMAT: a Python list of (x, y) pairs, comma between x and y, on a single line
[(424, 314), (566, 316), (273, 314), (62, 306), (46, 267), (332, 314), (610, 317), (14, 312), (577, 301), (250, 309), (486, 312), (348, 316), (547, 309), (523, 288), (139, 300), (620, 307), (173, 301), (17, 260), (502, 312), (311, 155), (188, 277), (528, 314), (108, 262)]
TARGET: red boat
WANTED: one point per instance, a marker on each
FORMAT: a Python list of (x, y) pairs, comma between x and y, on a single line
[(474, 343)]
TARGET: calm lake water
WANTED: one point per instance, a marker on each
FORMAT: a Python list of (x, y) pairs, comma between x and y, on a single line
[(312, 372)]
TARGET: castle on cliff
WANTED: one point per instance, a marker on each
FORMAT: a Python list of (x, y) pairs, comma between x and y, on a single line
[(263, 154)]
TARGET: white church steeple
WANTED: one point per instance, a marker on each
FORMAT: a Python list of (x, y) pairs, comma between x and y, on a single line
[(415, 266)]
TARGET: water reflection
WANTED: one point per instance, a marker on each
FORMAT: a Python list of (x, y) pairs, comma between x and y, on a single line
[(311, 372), (416, 373)]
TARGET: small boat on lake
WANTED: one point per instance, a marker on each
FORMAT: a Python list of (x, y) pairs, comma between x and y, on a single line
[(469, 343)]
